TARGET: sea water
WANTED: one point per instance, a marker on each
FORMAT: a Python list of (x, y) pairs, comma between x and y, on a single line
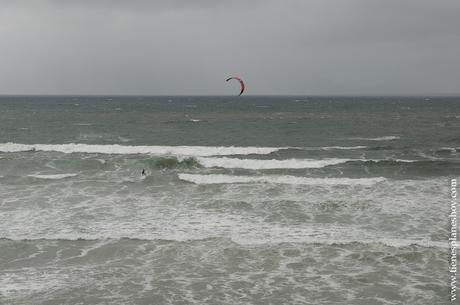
[(246, 200)]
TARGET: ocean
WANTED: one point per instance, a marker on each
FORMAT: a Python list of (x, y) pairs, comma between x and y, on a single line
[(245, 200)]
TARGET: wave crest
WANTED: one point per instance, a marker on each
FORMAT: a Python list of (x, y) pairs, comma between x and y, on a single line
[(52, 177), (226, 179), (125, 149), (268, 164), (384, 138), (389, 242)]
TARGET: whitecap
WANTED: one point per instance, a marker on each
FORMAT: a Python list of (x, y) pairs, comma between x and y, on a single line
[(53, 177), (276, 179), (268, 164), (342, 147), (384, 138), (126, 149)]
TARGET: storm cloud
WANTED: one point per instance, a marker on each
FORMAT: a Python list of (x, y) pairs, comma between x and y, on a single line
[(190, 47)]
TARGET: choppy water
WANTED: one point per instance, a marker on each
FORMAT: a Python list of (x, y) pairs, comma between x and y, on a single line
[(254, 200)]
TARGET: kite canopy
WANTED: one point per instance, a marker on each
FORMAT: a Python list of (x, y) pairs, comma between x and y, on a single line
[(241, 83)]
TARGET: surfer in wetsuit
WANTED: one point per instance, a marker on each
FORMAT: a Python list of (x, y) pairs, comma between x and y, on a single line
[(143, 172)]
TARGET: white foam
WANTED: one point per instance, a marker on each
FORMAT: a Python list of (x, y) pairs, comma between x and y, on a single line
[(27, 281), (124, 140), (78, 212), (289, 163), (192, 120), (343, 147), (125, 149), (404, 160), (13, 147), (408, 242), (385, 138), (386, 160), (451, 149), (277, 235), (53, 177), (268, 164), (276, 179)]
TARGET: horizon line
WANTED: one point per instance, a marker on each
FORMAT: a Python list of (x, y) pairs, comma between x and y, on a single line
[(229, 95)]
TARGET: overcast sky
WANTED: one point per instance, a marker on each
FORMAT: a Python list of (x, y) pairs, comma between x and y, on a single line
[(191, 46)]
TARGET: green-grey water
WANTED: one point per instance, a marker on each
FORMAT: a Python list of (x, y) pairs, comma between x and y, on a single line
[(252, 200)]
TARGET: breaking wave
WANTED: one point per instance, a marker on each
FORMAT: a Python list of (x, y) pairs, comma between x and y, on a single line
[(390, 242), (343, 147), (276, 179), (385, 138), (295, 163), (53, 177), (155, 150), (448, 149), (268, 164)]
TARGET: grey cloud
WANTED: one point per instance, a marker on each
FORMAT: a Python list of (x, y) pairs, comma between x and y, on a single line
[(190, 47)]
